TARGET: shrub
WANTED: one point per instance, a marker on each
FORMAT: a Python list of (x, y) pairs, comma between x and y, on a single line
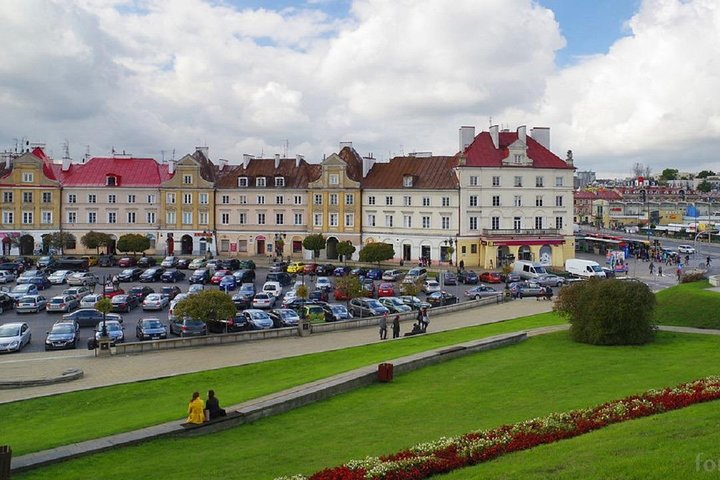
[(692, 277), (608, 312)]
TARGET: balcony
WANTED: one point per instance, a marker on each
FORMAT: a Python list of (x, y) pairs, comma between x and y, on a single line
[(503, 232)]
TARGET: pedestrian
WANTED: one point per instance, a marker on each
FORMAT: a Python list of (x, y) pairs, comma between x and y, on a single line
[(396, 326), (383, 326), (196, 409), (425, 320), (212, 407), (652, 268), (116, 282), (707, 262), (660, 271), (679, 273)]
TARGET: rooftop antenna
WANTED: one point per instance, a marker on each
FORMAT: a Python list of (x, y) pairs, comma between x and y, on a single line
[(87, 152), (173, 156), (286, 145), (66, 148), (162, 155), (490, 121)]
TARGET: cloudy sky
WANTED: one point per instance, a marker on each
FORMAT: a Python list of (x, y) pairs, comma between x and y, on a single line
[(617, 81)]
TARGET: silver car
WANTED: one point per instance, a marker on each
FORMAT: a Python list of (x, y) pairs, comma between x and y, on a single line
[(82, 278), (59, 277), (62, 303), (14, 336), (549, 280), (31, 303), (114, 329)]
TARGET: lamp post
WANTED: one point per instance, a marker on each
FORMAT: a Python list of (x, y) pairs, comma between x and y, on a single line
[(280, 244), (208, 237), (450, 242)]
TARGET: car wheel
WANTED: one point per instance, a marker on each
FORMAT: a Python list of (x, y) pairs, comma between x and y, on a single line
[(1, 309), (477, 297)]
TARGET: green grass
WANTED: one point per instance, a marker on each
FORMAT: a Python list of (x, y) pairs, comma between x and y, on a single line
[(545, 374), (42, 423), (688, 305)]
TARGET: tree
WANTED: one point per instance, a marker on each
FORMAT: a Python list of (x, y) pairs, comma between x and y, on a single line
[(104, 305), (61, 240), (705, 174), (608, 312), (314, 242), (206, 305), (704, 186), (350, 285), (669, 174), (345, 249), (95, 240), (377, 252), (302, 292), (412, 288), (133, 242), (638, 169)]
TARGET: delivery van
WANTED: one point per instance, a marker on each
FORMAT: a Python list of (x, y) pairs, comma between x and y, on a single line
[(584, 268), (528, 270)]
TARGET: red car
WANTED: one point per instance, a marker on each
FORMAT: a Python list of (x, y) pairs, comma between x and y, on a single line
[(309, 268), (340, 294), (490, 277), (109, 291), (386, 290), (127, 262), (215, 279)]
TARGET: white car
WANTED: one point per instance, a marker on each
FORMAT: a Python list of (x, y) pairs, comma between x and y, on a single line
[(155, 301), (273, 288), (195, 288), (324, 284), (289, 297), (6, 277), (686, 249), (14, 336), (430, 286), (82, 278), (89, 301), (263, 300), (59, 277)]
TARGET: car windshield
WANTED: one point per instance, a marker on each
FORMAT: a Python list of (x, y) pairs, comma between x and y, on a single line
[(57, 300), (21, 288), (395, 301), (338, 309), (127, 271), (288, 313), (154, 323), (113, 327), (258, 315), (62, 328), (27, 300), (9, 330), (374, 303), (119, 298)]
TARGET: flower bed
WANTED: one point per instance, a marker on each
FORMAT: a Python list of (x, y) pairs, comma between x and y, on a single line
[(450, 453)]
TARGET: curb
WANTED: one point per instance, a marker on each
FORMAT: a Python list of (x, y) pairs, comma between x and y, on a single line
[(66, 376)]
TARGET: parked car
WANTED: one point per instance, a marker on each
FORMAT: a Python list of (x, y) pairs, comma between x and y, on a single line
[(276, 267), (335, 312), (247, 264), (89, 301), (179, 298), (374, 273), (229, 264), (416, 274), (295, 267), (114, 329), (551, 280), (263, 300), (481, 291), (358, 272), (254, 319), (90, 259), (146, 262), (490, 277), (36, 278), (431, 286), (219, 275), (150, 329), (368, 287), (386, 290), (171, 291), (244, 276), (110, 291), (82, 278), (88, 317), (395, 305), (14, 336), (31, 304), (284, 317), (438, 299), (197, 263), (7, 276), (340, 294), (187, 327), (140, 291), (77, 292), (391, 275), (413, 302), (19, 291), (511, 277), (367, 307), (195, 288), (689, 249), (44, 262), (13, 267), (228, 283), (312, 310), (309, 268), (124, 303), (200, 276), (153, 274), (281, 277), (106, 261), (130, 274), (59, 277), (341, 271), (172, 276), (62, 303), (468, 277), (243, 298), (6, 302), (324, 269), (449, 278), (183, 263), (324, 283), (62, 336), (155, 301), (318, 295), (169, 262), (127, 262), (526, 289), (273, 288)]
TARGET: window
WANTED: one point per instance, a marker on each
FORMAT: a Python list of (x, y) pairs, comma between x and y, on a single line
[(187, 179), (426, 222), (242, 218), (112, 198), (130, 217), (518, 158), (317, 199), (171, 218), (426, 201), (225, 218), (388, 200), (72, 198), (242, 245), (203, 199), (242, 199), (225, 199), (7, 197), (333, 219), (297, 199), (333, 199), (349, 220), (112, 217), (72, 217), (558, 181), (473, 223), (334, 179), (279, 199), (131, 199), (92, 217), (538, 223), (110, 181), (538, 181), (27, 177), (538, 201), (187, 198), (495, 223), (473, 200), (242, 181), (150, 217), (45, 217), (187, 218), (151, 199), (224, 245), (473, 248), (371, 200), (407, 181), (445, 223), (349, 199), (27, 197), (517, 181), (517, 223), (388, 220), (496, 200), (298, 218), (371, 220), (27, 218), (445, 201), (279, 219), (260, 182), (317, 219), (47, 197), (495, 181), (407, 200), (517, 201), (559, 223), (203, 218), (473, 180), (92, 198), (279, 181), (260, 199), (407, 221), (558, 201), (170, 198)]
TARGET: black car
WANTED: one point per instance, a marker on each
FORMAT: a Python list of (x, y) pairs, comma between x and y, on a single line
[(150, 329), (324, 270), (247, 264), (281, 277), (153, 274), (171, 291), (183, 263), (201, 276), (106, 261), (229, 264), (61, 336), (89, 317), (140, 292), (438, 299), (359, 272), (12, 267), (146, 262), (229, 325), (318, 295), (6, 302), (130, 274), (172, 276), (468, 277), (244, 276), (243, 298)]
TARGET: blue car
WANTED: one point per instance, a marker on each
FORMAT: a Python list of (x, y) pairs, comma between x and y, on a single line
[(374, 273), (40, 281), (172, 276), (228, 282)]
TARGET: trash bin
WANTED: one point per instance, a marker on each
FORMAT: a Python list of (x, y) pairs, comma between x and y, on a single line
[(385, 372), (304, 327)]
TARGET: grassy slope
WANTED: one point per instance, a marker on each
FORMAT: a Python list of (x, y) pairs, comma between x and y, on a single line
[(77, 416), (689, 305), (544, 374)]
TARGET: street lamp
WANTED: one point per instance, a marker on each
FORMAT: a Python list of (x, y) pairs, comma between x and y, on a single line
[(450, 242)]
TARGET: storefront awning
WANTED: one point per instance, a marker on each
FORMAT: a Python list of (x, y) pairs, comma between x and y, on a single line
[(517, 243)]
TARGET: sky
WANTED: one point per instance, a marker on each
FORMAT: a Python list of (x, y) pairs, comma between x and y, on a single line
[(617, 82)]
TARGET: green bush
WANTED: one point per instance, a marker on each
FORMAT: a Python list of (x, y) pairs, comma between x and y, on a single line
[(608, 312)]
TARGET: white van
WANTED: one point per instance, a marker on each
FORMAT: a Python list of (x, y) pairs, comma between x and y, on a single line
[(528, 270), (584, 268), (273, 288)]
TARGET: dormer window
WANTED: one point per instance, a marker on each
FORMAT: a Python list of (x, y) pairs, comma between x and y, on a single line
[(111, 180), (242, 181), (518, 158), (260, 182), (279, 181), (408, 181), (187, 179)]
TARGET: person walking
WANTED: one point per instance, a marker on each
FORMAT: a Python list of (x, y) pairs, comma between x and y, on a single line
[(652, 268), (212, 407), (196, 409), (425, 320), (679, 273), (660, 271), (383, 326), (396, 326), (707, 262)]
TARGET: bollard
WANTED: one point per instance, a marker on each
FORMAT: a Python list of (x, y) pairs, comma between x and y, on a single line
[(385, 372), (5, 461)]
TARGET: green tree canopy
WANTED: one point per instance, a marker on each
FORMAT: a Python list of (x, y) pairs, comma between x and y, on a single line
[(61, 240), (705, 174), (133, 242), (346, 249), (704, 186), (206, 305), (377, 252), (669, 174), (302, 292), (95, 240), (350, 284), (314, 242)]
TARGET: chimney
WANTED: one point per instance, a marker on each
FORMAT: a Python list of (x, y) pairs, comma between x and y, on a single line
[(541, 135), (277, 161), (467, 135), (171, 167), (223, 163), (65, 163), (495, 135), (246, 160), (298, 159), (368, 163), (569, 158), (204, 150), (8, 160), (522, 133), (345, 144)]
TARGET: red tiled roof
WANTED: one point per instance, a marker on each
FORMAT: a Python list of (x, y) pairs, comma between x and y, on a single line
[(427, 173), (482, 153), (295, 177), (354, 163), (131, 172)]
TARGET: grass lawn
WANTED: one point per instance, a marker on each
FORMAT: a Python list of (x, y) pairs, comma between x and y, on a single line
[(72, 417), (545, 374), (688, 305)]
